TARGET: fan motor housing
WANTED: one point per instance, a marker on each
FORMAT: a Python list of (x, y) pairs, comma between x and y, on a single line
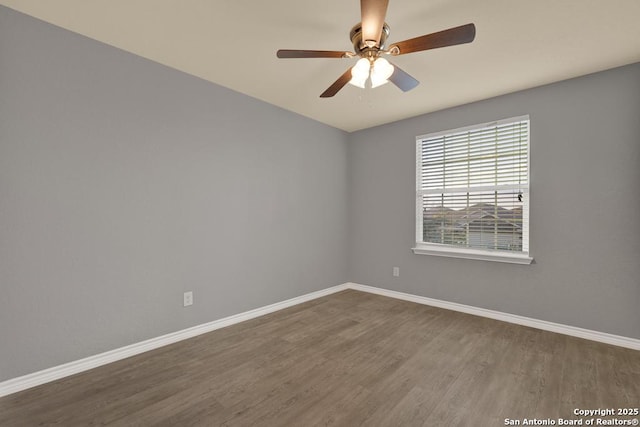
[(360, 48)]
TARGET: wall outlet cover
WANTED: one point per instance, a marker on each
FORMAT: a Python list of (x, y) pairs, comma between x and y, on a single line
[(188, 298)]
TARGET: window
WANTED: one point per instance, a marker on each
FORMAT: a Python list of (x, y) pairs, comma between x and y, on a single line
[(472, 198)]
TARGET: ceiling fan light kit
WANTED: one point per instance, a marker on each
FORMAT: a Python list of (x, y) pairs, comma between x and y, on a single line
[(369, 38), (378, 71)]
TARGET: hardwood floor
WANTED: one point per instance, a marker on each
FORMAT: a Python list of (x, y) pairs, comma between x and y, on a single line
[(348, 359)]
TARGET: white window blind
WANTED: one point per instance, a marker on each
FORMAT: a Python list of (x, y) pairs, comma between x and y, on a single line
[(473, 187)]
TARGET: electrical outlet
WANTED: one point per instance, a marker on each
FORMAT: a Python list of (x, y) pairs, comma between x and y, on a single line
[(396, 271), (188, 298)]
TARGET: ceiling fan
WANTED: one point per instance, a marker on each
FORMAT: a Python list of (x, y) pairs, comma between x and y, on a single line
[(368, 38)]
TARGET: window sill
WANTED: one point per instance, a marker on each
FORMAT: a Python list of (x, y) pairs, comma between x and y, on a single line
[(477, 254)]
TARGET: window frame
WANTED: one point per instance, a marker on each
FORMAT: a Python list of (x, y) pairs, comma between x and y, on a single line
[(444, 250)]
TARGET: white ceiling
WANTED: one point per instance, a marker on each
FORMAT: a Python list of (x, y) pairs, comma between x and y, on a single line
[(519, 44)]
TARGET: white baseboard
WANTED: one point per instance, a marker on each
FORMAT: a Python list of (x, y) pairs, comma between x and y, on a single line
[(15, 385), (573, 331), (47, 375)]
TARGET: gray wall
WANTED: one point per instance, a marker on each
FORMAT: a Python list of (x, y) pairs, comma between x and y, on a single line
[(124, 183), (585, 228)]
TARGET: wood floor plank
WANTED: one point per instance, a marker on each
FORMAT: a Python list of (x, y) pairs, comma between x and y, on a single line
[(347, 359)]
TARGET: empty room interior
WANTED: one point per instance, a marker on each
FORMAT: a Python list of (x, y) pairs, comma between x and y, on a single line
[(200, 225)]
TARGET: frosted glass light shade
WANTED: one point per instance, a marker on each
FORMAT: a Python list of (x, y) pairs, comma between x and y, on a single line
[(360, 73), (380, 72)]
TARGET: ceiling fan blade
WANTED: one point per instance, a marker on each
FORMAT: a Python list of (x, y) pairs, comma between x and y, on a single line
[(452, 36), (292, 53), (403, 80), (373, 13), (337, 85)]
